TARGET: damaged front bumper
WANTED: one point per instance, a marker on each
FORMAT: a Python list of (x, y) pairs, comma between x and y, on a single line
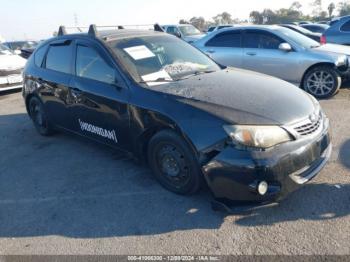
[(234, 174)]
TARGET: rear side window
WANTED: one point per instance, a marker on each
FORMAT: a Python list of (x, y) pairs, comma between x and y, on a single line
[(346, 27), (261, 40), (39, 56), (91, 65), (59, 58), (226, 39)]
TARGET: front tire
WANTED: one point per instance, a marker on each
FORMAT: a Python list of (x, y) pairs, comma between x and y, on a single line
[(39, 117), (174, 163), (322, 82)]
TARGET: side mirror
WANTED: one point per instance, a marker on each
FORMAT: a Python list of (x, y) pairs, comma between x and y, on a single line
[(285, 47)]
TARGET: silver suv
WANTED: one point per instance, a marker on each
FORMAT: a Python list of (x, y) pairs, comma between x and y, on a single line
[(280, 52)]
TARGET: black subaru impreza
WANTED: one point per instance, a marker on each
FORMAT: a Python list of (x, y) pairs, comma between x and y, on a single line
[(249, 136)]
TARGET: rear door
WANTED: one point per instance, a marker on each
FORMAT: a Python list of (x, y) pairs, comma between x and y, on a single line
[(262, 54), (226, 48), (99, 105)]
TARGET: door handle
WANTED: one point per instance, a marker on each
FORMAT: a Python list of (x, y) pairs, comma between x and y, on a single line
[(210, 51), (251, 54), (76, 91)]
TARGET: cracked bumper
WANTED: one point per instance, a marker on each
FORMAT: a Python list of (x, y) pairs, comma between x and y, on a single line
[(234, 174)]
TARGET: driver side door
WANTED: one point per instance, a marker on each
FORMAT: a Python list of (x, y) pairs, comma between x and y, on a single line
[(261, 53), (99, 97)]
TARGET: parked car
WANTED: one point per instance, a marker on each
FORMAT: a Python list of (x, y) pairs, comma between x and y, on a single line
[(280, 52), (316, 28), (215, 28), (164, 101), (11, 67), (184, 31), (323, 22), (305, 22), (303, 31), (22, 48), (339, 32)]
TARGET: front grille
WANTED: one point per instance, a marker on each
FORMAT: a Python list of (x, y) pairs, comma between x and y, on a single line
[(11, 72), (309, 127)]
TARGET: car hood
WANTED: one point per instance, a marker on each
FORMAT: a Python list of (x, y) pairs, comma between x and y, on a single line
[(243, 97), (334, 48), (11, 62)]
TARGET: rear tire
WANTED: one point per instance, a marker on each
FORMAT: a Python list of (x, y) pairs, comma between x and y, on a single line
[(174, 163), (322, 82), (39, 117)]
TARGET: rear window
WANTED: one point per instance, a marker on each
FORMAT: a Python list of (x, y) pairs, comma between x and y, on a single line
[(226, 39), (346, 27), (59, 58)]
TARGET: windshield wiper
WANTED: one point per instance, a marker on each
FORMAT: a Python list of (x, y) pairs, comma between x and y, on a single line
[(160, 79), (196, 74)]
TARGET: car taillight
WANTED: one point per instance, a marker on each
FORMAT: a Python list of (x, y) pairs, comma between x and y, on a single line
[(323, 40)]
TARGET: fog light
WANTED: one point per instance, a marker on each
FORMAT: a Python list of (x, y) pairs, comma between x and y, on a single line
[(262, 188)]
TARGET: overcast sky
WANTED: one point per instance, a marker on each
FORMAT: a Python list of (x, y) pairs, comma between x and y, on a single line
[(37, 19)]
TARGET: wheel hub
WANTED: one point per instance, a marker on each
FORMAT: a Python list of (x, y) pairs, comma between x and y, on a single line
[(170, 166)]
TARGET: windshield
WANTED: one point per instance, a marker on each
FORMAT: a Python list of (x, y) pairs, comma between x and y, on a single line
[(161, 58), (4, 50), (189, 30), (298, 38)]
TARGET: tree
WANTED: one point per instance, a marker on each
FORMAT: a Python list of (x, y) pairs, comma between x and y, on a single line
[(224, 18), (269, 17), (256, 18), (331, 9), (198, 22), (317, 8), (295, 6), (183, 21), (344, 8)]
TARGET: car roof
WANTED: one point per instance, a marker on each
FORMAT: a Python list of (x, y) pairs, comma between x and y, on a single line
[(237, 27)]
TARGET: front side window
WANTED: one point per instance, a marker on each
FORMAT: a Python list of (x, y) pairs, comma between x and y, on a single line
[(346, 27), (90, 64), (261, 40), (59, 58), (226, 39), (160, 57)]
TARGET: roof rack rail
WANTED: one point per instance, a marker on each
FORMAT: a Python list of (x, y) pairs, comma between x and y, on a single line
[(62, 31), (92, 29)]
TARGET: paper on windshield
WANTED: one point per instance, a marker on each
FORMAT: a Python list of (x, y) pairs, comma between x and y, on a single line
[(155, 76), (139, 52)]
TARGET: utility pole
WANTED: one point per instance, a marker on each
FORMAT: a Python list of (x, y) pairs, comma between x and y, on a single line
[(75, 19)]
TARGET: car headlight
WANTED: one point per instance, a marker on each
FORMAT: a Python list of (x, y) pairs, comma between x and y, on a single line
[(342, 60), (257, 136)]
